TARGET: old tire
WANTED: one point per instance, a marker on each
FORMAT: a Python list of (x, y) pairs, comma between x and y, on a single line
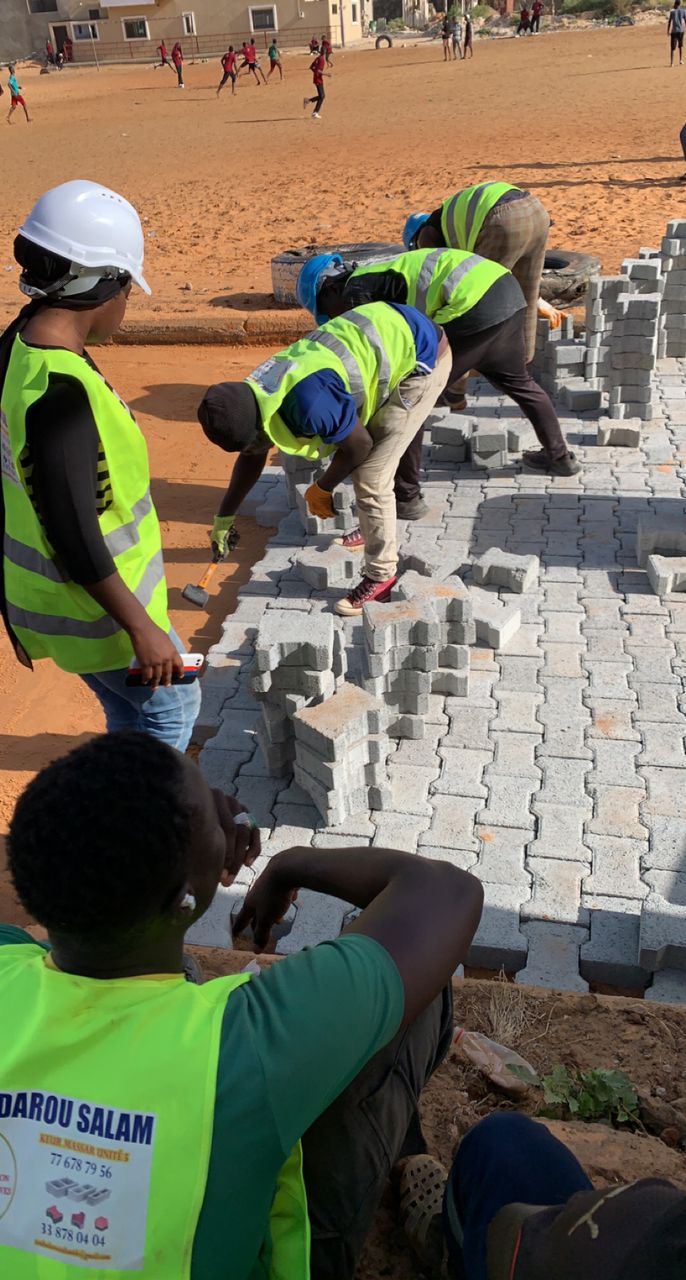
[(286, 266), (566, 276), (383, 40)]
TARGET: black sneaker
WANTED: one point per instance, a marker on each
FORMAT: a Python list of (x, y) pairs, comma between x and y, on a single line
[(538, 460), (412, 510)]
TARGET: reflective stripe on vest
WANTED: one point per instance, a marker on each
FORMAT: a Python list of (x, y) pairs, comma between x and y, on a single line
[(371, 348), (52, 615), (48, 624), (346, 357), (116, 542), (106, 1155), (462, 216), (443, 283)]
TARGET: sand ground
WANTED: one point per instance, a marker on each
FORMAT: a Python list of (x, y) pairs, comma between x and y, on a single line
[(587, 120)]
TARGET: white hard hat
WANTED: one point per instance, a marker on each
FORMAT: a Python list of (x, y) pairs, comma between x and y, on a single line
[(92, 227)]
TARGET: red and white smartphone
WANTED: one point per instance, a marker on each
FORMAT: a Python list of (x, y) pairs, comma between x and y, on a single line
[(192, 668)]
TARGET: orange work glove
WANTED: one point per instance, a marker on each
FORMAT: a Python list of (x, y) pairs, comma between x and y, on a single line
[(550, 313), (319, 502)]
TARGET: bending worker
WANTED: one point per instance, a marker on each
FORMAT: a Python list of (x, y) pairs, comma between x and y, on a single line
[(83, 578), (482, 310), (355, 390), (500, 222)]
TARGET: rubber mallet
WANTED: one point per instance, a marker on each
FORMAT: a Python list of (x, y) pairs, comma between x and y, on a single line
[(198, 594)]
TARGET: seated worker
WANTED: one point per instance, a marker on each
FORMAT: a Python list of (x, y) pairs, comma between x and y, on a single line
[(83, 579), (357, 388), (482, 311), (236, 1130), (499, 222), (517, 1205)]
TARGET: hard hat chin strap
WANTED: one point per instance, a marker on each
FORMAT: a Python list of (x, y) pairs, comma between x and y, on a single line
[(78, 284)]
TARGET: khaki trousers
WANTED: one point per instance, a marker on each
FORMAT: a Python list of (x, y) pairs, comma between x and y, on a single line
[(392, 430)]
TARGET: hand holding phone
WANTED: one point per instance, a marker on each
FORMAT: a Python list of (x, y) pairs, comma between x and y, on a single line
[(192, 668)]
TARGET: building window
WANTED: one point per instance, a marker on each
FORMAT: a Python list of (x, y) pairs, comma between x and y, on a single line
[(94, 14), (84, 31), (334, 8), (135, 29), (43, 6), (353, 10), (263, 19), (189, 24)]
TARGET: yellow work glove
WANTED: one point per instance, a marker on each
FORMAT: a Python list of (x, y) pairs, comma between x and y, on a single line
[(319, 502), (224, 536), (551, 314)]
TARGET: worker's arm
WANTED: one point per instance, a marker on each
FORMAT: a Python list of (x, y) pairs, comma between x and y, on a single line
[(349, 455), (424, 913), (64, 445), (247, 470)]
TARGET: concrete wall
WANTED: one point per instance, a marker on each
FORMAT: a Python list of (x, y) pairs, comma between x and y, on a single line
[(216, 25), (15, 30)]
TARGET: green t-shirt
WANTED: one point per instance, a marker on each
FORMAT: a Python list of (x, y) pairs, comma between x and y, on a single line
[(273, 53), (292, 1040)]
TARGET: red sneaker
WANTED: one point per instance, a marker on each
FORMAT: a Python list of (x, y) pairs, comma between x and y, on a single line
[(365, 592), (353, 541)]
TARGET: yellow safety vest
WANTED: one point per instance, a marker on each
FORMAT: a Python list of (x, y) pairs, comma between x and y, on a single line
[(443, 283), (52, 616), (107, 1096), (371, 349), (462, 216)]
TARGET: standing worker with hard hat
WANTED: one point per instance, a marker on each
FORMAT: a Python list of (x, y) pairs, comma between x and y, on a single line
[(497, 221), (355, 390), (83, 577), (482, 310)]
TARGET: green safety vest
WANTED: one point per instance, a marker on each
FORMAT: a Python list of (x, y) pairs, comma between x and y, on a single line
[(111, 1085), (443, 283), (52, 616), (462, 216), (371, 348)]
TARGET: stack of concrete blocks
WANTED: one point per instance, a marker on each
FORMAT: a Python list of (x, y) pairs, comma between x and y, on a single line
[(601, 317), (634, 350), (341, 754), (416, 646), (299, 472), (344, 511), (673, 313), (299, 661), (450, 437), (401, 653)]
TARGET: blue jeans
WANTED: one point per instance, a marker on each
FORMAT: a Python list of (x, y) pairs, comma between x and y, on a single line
[(505, 1159), (165, 713)]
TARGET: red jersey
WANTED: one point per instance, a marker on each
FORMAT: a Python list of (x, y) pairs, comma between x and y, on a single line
[(162, 50), (229, 61), (317, 68), (250, 55), (327, 46), (177, 55), (537, 8), (524, 15)]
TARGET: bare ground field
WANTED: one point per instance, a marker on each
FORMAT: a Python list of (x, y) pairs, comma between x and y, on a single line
[(587, 120)]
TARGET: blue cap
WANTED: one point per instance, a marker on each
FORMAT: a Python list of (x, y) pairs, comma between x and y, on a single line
[(414, 223), (310, 278)]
